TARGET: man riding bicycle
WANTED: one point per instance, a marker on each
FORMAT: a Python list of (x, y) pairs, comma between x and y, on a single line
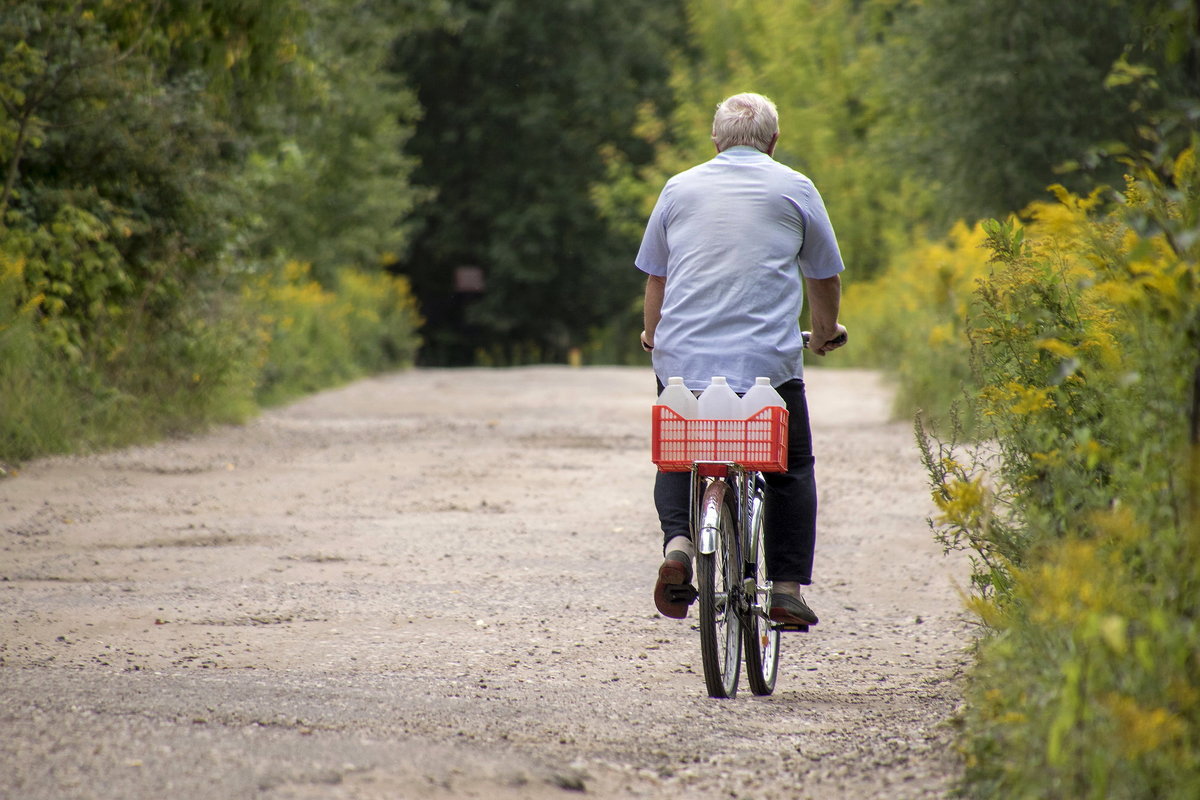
[(730, 250)]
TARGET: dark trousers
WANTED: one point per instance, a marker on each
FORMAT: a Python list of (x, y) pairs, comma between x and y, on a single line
[(790, 513)]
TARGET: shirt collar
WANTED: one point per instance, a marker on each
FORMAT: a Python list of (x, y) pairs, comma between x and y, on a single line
[(742, 151)]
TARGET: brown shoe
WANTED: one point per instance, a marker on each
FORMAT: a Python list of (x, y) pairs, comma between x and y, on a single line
[(673, 592), (790, 610)]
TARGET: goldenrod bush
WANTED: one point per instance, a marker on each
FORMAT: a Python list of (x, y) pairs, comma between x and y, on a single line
[(1079, 499), (912, 319), (311, 337), (382, 318)]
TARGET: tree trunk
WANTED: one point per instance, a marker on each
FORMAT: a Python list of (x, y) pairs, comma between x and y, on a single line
[(10, 176)]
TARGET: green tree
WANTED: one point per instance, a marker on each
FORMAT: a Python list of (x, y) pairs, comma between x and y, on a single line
[(519, 98), (329, 181), (820, 62), (116, 148), (996, 99), (166, 171)]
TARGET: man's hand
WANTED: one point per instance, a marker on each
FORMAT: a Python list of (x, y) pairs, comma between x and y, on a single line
[(822, 342), (647, 344)]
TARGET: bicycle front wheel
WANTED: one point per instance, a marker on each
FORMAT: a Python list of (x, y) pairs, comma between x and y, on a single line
[(718, 575), (761, 639)]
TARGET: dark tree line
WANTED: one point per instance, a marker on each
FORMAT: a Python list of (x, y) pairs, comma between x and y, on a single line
[(517, 99)]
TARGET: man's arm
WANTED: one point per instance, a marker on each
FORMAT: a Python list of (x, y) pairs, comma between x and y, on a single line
[(656, 285), (824, 302)]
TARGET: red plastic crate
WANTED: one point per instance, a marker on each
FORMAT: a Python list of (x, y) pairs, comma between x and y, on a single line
[(758, 443)]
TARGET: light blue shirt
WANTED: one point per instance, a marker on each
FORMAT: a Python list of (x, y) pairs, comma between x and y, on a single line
[(733, 236)]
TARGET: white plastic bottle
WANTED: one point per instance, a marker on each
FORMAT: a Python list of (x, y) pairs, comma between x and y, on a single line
[(679, 399), (761, 395), (719, 401)]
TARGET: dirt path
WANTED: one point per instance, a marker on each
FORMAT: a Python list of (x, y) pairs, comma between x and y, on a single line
[(437, 584)]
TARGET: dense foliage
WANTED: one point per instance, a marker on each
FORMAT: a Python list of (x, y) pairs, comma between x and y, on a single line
[(328, 178), (993, 97), (1081, 505), (912, 116), (140, 147), (1068, 339), (822, 64), (518, 100)]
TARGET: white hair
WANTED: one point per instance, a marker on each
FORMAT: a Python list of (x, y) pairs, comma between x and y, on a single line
[(746, 119)]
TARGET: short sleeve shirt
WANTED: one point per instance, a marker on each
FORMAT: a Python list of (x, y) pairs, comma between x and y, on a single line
[(734, 238)]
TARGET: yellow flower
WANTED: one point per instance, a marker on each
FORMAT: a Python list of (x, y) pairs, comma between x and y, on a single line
[(962, 503), (1142, 730), (941, 334), (1056, 346), (1017, 399)]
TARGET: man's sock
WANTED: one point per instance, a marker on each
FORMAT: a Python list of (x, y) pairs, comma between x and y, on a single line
[(786, 587), (683, 544)]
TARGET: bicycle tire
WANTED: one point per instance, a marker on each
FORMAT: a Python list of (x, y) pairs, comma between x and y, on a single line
[(718, 577), (760, 639)]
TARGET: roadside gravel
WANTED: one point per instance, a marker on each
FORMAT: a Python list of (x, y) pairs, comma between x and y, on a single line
[(437, 584)]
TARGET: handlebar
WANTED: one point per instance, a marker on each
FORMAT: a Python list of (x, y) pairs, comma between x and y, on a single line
[(838, 340)]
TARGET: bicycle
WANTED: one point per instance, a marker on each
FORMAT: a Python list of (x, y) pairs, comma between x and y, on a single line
[(726, 521)]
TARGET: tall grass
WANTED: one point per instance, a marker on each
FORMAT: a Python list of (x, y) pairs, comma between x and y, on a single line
[(34, 413)]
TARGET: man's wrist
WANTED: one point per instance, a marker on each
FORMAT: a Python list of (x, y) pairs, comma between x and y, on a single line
[(825, 332)]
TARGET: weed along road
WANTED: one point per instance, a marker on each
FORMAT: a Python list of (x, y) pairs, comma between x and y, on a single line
[(437, 584)]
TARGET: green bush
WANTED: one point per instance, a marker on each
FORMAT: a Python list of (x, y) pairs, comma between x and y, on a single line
[(33, 415), (145, 186), (310, 337), (912, 321), (1080, 502), (216, 361)]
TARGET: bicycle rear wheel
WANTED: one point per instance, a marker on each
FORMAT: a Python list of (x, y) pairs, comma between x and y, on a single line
[(718, 576), (759, 638)]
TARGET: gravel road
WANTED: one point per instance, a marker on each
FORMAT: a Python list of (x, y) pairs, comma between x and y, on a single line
[(437, 584)]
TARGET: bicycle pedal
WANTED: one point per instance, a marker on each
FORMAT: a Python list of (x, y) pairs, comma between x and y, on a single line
[(682, 593)]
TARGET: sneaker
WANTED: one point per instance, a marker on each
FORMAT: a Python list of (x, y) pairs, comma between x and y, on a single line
[(791, 610), (671, 595)]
